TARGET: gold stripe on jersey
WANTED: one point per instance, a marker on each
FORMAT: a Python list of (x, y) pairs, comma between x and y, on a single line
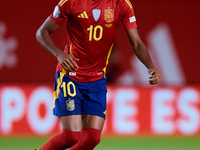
[(129, 3), (70, 49), (57, 91), (86, 16), (83, 15), (108, 59), (62, 2)]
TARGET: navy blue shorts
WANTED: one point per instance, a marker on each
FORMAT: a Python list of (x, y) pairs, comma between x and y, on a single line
[(75, 98)]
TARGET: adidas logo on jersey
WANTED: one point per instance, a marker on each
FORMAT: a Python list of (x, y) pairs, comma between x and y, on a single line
[(83, 15)]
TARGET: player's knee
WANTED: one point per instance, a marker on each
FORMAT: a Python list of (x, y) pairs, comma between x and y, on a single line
[(71, 137), (94, 141), (92, 137)]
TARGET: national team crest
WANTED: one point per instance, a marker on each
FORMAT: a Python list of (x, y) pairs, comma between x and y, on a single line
[(70, 105), (109, 15)]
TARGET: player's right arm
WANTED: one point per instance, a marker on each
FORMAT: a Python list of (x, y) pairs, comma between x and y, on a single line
[(129, 22), (43, 37)]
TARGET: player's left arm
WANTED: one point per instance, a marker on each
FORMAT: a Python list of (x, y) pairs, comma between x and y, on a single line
[(143, 55)]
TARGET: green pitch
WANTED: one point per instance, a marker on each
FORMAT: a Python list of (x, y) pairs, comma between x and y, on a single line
[(111, 143)]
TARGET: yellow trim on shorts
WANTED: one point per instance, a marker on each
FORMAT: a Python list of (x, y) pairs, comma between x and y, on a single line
[(57, 91)]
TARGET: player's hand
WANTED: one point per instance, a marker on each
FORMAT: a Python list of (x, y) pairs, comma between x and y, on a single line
[(67, 61), (155, 76)]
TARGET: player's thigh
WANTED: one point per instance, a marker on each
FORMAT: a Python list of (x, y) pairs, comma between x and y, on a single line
[(92, 121), (72, 123)]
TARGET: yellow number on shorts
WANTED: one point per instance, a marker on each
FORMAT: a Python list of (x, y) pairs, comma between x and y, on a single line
[(68, 89), (64, 89)]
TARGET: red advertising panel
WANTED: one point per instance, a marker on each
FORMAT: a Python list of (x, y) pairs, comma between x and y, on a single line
[(170, 30), (133, 111)]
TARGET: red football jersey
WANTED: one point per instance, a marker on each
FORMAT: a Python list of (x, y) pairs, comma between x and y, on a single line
[(91, 29)]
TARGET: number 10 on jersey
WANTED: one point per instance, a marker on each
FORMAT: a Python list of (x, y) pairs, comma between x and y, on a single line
[(93, 32)]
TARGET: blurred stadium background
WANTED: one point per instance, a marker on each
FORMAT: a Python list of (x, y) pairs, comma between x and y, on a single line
[(139, 116)]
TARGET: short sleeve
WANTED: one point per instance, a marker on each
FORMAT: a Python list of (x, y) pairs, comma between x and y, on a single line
[(61, 12), (128, 18)]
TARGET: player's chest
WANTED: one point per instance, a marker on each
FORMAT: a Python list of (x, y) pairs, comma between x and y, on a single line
[(91, 12)]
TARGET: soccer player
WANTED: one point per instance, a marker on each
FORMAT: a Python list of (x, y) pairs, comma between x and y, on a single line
[(80, 82)]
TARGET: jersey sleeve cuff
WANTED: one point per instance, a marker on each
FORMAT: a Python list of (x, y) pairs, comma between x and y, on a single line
[(57, 21), (134, 25)]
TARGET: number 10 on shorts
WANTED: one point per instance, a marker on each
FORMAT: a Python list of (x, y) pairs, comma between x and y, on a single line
[(67, 89)]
